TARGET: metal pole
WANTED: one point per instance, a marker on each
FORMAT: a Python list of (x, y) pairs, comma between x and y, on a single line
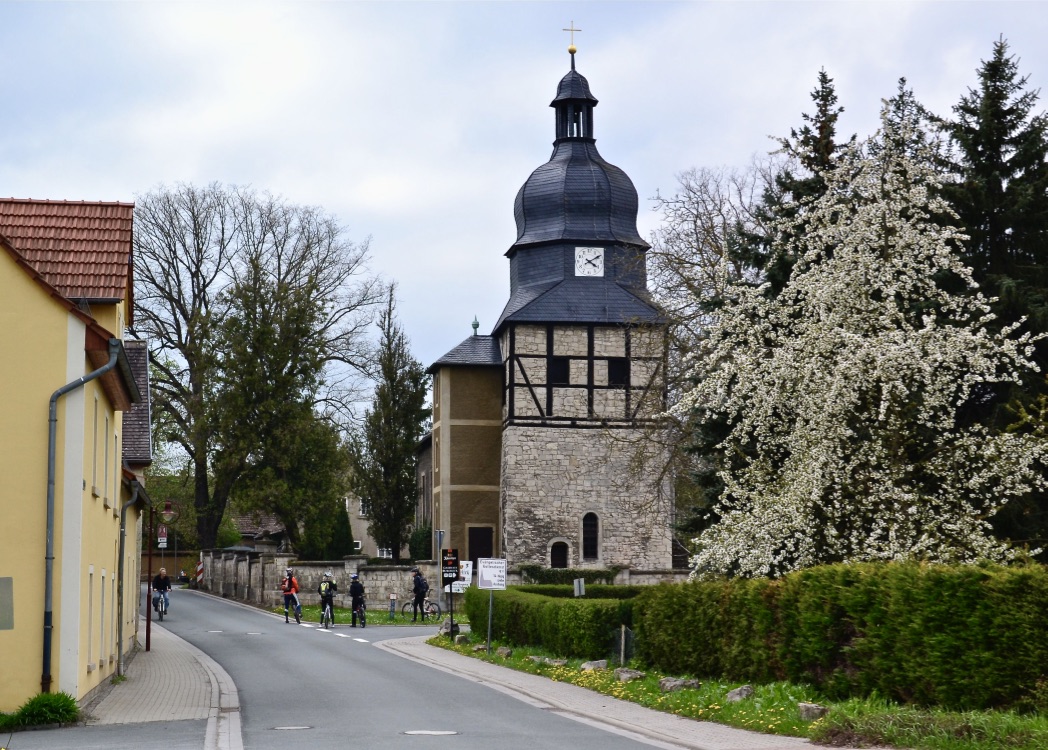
[(149, 580), (491, 606)]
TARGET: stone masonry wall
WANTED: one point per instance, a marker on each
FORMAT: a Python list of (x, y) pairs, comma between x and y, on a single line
[(552, 477), (254, 577)]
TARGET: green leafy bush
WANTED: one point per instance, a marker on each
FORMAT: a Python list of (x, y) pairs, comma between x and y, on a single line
[(595, 591), (539, 574), (960, 637), (42, 710), (579, 628)]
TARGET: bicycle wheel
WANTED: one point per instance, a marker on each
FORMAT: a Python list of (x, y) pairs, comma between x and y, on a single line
[(433, 610), (327, 620), (406, 609)]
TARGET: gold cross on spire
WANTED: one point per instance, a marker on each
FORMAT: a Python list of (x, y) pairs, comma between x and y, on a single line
[(572, 29)]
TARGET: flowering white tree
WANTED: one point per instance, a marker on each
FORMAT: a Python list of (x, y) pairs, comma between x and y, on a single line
[(843, 392)]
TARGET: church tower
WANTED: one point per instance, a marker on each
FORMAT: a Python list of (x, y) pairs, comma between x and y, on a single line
[(580, 348)]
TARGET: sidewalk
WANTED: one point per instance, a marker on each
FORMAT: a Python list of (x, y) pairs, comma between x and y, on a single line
[(595, 708), (173, 681)]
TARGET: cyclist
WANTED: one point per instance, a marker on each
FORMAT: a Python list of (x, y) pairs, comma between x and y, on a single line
[(419, 588), (356, 591), (327, 590), (162, 588), (289, 585)]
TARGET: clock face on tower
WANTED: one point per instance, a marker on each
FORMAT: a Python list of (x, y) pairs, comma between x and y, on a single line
[(589, 261)]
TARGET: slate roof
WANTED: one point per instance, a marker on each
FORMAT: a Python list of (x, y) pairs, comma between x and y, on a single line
[(573, 86), (475, 351), (138, 438), (576, 196), (579, 301), (82, 249)]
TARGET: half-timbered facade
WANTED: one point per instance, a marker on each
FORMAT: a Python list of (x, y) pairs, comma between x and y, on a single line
[(579, 351)]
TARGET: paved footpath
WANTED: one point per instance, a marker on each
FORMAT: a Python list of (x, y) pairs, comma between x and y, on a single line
[(592, 707), (175, 681)]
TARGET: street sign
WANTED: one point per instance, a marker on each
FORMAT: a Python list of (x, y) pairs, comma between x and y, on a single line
[(491, 573), (465, 578), (449, 568), (161, 532)]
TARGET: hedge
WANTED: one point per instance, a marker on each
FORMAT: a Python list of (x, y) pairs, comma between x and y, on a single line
[(576, 628), (960, 637)]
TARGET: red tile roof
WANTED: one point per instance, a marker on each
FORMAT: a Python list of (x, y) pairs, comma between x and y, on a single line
[(82, 249)]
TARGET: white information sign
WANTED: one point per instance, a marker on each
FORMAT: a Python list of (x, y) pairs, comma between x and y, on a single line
[(491, 573), (466, 571)]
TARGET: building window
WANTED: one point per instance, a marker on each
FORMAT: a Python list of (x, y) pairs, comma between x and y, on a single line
[(385, 552), (357, 546), (105, 464), (559, 371), (590, 533), (618, 371), (365, 508), (558, 555)]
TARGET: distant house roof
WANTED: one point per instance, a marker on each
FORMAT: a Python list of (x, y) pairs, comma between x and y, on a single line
[(475, 351), (258, 525), (82, 249), (138, 442)]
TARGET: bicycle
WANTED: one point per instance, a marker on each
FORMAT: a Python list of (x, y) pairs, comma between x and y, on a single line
[(361, 612), (428, 608), (158, 605), (327, 616)]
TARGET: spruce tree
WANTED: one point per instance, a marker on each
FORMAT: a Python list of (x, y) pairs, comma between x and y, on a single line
[(811, 153), (999, 188), (998, 170)]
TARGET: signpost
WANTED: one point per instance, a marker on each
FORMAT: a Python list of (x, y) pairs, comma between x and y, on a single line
[(464, 580), (449, 573), (491, 575)]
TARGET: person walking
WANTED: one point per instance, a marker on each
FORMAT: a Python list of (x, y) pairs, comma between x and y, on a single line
[(419, 589), (356, 592), (289, 585)]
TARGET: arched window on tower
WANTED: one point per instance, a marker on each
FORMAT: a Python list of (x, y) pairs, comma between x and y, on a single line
[(558, 555), (590, 536)]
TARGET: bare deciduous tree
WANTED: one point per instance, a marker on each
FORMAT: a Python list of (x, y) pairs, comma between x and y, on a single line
[(193, 245)]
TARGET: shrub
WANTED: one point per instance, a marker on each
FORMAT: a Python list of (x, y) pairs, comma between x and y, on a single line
[(959, 637), (579, 628), (47, 708), (539, 574)]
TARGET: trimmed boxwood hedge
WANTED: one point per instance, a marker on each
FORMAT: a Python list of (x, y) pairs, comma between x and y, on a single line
[(960, 637), (576, 628)]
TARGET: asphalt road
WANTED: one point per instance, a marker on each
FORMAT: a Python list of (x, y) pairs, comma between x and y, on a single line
[(306, 687)]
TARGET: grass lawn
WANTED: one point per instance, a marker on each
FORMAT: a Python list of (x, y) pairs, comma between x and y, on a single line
[(773, 709)]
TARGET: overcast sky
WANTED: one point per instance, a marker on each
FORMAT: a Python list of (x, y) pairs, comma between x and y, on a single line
[(416, 122)]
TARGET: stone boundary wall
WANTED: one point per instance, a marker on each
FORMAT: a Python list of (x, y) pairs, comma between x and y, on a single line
[(253, 576)]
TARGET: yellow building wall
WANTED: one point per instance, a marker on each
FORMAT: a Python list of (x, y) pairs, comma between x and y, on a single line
[(46, 345)]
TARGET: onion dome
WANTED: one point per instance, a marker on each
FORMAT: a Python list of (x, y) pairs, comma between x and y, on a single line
[(576, 196)]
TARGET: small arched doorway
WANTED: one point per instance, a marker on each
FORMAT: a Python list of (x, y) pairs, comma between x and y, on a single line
[(558, 555)]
